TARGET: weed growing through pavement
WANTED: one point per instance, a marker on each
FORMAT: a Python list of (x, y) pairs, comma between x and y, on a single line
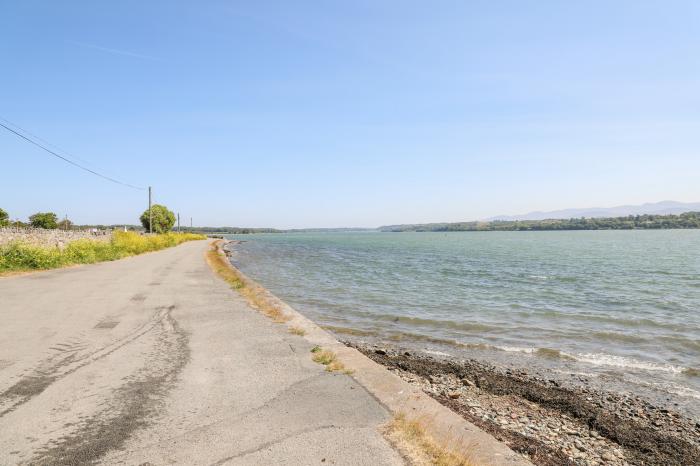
[(411, 438), (329, 359)]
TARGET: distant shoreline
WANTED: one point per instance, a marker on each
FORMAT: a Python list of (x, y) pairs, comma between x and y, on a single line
[(685, 221), (688, 220)]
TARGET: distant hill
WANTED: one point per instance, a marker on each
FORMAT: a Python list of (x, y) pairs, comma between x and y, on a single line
[(655, 208)]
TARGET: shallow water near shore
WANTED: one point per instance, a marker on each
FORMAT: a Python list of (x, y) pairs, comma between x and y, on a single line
[(619, 309)]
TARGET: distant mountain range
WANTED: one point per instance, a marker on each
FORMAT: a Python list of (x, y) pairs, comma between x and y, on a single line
[(653, 208)]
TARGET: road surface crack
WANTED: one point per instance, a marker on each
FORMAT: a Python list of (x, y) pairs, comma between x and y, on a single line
[(271, 443)]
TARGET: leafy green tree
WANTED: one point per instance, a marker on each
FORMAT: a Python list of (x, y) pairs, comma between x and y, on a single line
[(163, 219), (47, 220), (4, 218)]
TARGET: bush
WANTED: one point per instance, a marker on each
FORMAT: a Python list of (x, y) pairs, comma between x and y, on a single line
[(19, 256), (163, 219), (4, 218), (47, 220)]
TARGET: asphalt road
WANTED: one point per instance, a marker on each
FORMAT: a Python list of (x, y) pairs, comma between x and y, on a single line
[(154, 360)]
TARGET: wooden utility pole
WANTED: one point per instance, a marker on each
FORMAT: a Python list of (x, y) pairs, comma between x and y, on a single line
[(178, 222), (150, 214)]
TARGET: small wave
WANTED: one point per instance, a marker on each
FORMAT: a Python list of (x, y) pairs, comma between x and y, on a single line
[(553, 354), (601, 359), (681, 341), (403, 336), (479, 346), (407, 336), (516, 349), (640, 322), (616, 336), (435, 323), (436, 353), (548, 353), (349, 331)]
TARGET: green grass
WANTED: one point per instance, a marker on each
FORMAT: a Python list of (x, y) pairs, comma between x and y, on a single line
[(18, 256)]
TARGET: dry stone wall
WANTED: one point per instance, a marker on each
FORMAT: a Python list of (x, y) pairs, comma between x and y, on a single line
[(50, 238)]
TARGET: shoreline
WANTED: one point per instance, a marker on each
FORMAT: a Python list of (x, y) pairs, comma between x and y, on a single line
[(552, 423), (543, 362)]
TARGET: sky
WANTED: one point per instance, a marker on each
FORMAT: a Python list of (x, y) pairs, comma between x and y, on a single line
[(358, 114)]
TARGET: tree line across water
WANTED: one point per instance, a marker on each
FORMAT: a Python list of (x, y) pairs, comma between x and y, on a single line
[(631, 222)]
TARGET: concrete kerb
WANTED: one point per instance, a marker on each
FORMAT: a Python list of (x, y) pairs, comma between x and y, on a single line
[(398, 396)]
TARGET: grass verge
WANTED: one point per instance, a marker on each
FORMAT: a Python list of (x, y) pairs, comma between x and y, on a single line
[(253, 293), (411, 439), (329, 359), (21, 257), (297, 331)]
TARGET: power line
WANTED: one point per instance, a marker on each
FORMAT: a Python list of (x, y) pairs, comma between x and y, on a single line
[(48, 143), (68, 160)]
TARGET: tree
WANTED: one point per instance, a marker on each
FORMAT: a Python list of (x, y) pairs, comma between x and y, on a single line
[(4, 218), (47, 220), (163, 219)]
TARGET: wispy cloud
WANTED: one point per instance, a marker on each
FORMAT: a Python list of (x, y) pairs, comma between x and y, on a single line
[(124, 53)]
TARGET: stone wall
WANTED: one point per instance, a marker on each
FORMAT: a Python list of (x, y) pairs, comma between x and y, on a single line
[(50, 238)]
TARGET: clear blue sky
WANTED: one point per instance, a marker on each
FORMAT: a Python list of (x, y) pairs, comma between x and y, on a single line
[(360, 113)]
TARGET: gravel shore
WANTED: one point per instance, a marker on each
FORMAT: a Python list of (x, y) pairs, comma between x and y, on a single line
[(550, 423)]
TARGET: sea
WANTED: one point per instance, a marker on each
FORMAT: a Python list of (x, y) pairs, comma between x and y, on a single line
[(618, 310)]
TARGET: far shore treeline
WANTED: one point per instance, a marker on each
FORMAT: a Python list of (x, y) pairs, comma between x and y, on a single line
[(631, 222), (686, 220)]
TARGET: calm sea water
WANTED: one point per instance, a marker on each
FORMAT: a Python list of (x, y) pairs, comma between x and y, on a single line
[(622, 307)]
